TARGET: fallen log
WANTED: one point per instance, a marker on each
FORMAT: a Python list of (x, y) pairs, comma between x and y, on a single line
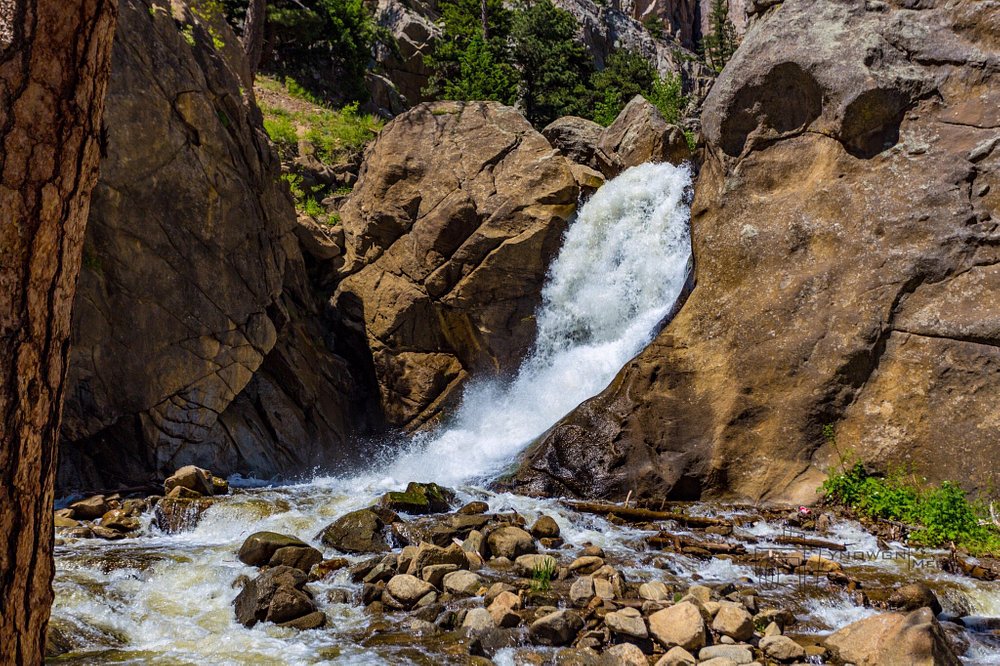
[(633, 514), (789, 540), (681, 542)]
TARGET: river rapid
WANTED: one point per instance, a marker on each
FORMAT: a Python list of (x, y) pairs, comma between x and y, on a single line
[(167, 598)]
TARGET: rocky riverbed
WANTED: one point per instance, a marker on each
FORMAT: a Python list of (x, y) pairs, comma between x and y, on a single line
[(378, 573)]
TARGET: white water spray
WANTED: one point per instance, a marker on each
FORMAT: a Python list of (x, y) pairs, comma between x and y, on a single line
[(622, 266)]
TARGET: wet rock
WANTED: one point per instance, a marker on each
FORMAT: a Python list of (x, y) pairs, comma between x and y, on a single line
[(677, 656), (894, 639), (474, 542), (327, 567), (287, 604), (738, 654), (510, 542), (180, 492), (782, 648), (734, 621), (120, 521), (586, 564), (435, 573), (474, 508), (913, 596), (62, 522), (681, 624), (253, 603), (780, 616), (360, 531), (106, 533), (191, 477), (407, 589), (558, 628), (582, 591), (173, 514), (90, 508), (495, 590), (419, 498), (220, 487), (527, 565), (478, 619), (299, 557), (258, 548), (627, 622), (655, 591), (627, 654), (427, 554), (503, 608), (545, 528), (314, 620), (462, 583)]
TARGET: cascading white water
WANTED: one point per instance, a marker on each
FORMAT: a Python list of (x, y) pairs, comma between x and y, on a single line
[(622, 265)]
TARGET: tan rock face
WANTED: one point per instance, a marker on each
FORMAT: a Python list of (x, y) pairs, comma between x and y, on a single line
[(894, 639), (846, 249), (458, 211), (195, 339)]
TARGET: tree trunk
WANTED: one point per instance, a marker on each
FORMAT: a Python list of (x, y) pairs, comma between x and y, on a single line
[(54, 62), (253, 33)]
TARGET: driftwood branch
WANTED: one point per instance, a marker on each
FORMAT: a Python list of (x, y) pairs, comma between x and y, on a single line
[(633, 514)]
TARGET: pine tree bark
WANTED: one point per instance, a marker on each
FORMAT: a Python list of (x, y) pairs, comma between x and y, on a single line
[(253, 33), (54, 62)]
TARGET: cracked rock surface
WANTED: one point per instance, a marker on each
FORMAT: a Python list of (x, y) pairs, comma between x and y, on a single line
[(847, 257)]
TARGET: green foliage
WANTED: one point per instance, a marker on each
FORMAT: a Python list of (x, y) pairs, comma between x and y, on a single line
[(211, 13), (554, 65), (625, 75), (541, 575), (654, 26), (943, 514), (472, 61), (719, 44), (281, 129), (668, 97), (304, 197)]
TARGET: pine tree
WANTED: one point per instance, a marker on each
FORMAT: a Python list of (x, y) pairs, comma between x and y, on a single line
[(720, 42)]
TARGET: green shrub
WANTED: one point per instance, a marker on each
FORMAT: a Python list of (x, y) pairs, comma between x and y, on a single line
[(667, 95), (943, 515), (281, 129)]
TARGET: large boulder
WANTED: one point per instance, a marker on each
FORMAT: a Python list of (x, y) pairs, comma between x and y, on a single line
[(194, 340), (638, 135), (449, 232), (361, 531), (894, 639), (846, 264)]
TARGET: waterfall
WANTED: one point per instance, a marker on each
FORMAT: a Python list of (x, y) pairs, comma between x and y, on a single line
[(622, 265)]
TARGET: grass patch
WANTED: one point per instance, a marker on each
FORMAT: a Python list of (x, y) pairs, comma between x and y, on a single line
[(541, 575), (943, 515)]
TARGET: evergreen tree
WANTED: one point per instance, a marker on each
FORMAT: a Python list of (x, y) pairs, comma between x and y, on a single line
[(625, 75), (720, 42), (471, 61), (554, 65)]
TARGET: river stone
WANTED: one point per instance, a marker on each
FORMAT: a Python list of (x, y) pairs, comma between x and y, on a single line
[(545, 528), (495, 590), (677, 656), (258, 548), (558, 628), (427, 554), (718, 661), (781, 648), (581, 591), (474, 542), (106, 533), (180, 492), (288, 604), (680, 624), (119, 520), (502, 610), (733, 620), (313, 620), (253, 602), (419, 498), (510, 542), (434, 573), (739, 654), (474, 508), (191, 477), (407, 589), (913, 596), (462, 583), (90, 508), (526, 565), (360, 531), (586, 564), (64, 522), (627, 654), (894, 639), (654, 591), (627, 622), (478, 619), (303, 558)]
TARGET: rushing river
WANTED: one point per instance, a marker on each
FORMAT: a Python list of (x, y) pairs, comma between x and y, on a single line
[(166, 599)]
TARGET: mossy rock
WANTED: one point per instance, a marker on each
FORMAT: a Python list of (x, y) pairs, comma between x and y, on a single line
[(419, 498)]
